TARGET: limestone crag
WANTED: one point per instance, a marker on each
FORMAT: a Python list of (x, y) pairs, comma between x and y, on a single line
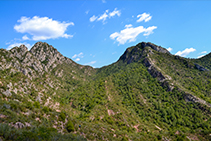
[(48, 55), (189, 97), (155, 47), (40, 59), (156, 73), (140, 51), (135, 53), (19, 52), (200, 67)]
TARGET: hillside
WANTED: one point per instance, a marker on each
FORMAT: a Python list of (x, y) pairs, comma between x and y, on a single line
[(148, 94)]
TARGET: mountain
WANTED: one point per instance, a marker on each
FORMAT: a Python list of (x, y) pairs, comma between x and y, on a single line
[(148, 94)]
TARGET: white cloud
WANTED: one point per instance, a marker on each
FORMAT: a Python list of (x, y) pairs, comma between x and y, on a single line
[(93, 18), (149, 30), (43, 28), (169, 49), (18, 44), (144, 17), (80, 55), (103, 17), (185, 52), (203, 52), (115, 12), (130, 33), (91, 63), (200, 56), (128, 25), (77, 59), (25, 37)]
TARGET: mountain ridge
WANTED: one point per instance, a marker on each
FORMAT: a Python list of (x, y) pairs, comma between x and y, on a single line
[(148, 94)]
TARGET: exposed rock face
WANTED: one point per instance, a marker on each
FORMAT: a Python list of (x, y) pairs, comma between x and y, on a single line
[(134, 54), (153, 70), (48, 55), (200, 67), (40, 59), (19, 52), (192, 98), (7, 93), (155, 47)]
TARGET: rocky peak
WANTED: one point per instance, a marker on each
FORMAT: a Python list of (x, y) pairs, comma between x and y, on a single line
[(48, 55), (43, 51), (20, 51), (153, 46), (134, 53)]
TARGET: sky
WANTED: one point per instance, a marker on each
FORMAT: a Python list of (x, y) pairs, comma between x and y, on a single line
[(97, 32)]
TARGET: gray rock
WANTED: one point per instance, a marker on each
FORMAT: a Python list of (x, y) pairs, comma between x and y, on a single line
[(9, 85), (200, 67), (155, 47), (7, 93), (19, 52), (191, 98), (27, 124), (19, 125), (7, 106)]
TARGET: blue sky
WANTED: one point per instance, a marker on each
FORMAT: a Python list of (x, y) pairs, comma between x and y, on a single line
[(98, 32)]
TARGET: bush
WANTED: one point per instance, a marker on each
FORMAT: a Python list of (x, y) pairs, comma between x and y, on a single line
[(36, 104), (70, 126), (45, 109), (159, 137), (62, 116)]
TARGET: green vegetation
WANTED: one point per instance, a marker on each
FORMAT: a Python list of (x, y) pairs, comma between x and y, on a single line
[(70, 126), (122, 101)]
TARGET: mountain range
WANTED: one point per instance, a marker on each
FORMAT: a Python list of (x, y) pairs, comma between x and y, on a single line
[(148, 94)]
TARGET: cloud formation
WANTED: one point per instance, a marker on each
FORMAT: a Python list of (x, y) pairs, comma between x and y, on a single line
[(169, 49), (103, 17), (93, 18), (203, 52), (144, 17), (18, 44), (91, 63), (25, 37), (130, 33), (78, 56), (185, 52), (42, 28)]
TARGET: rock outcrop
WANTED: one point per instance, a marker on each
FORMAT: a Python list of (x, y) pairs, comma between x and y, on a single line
[(48, 55), (135, 53), (200, 67), (155, 47), (191, 98)]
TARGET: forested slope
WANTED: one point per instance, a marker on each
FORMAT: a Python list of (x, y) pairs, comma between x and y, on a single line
[(148, 94)]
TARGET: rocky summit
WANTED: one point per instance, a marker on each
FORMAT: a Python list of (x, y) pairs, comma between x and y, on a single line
[(148, 94)]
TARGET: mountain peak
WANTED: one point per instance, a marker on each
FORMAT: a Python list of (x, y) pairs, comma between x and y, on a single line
[(135, 53), (19, 51), (153, 46), (42, 50)]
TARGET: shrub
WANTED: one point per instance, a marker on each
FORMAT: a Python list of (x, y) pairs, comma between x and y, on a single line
[(70, 126), (62, 116), (36, 104), (45, 109)]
